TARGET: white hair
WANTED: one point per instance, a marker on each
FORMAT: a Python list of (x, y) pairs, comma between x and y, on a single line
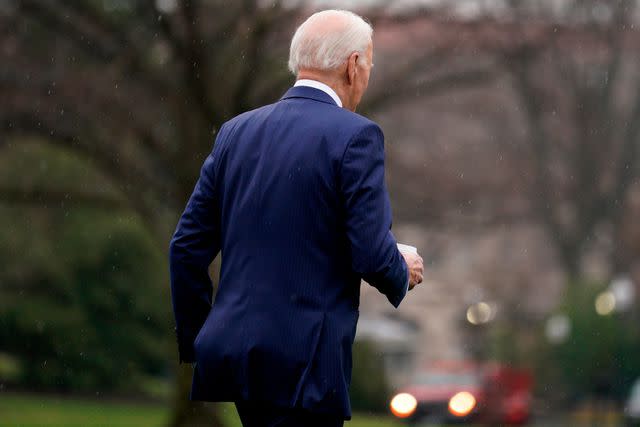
[(327, 50)]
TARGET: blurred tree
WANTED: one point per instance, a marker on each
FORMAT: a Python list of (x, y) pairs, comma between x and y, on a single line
[(137, 90), (565, 78), (574, 73)]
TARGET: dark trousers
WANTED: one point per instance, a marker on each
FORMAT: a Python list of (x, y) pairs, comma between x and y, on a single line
[(263, 415)]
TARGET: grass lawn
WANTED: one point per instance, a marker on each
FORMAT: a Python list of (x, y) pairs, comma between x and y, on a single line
[(31, 410), (34, 410), (230, 415)]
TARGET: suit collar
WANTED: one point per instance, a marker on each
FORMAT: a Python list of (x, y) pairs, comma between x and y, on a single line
[(322, 86), (309, 93)]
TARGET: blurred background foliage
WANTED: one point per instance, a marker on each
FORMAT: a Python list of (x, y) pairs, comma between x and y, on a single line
[(600, 356), (83, 307), (369, 386), (596, 357)]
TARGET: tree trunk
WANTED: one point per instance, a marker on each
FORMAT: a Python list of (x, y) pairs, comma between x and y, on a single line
[(185, 412)]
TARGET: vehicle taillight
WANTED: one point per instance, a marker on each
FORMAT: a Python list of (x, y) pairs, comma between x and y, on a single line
[(403, 405), (462, 404)]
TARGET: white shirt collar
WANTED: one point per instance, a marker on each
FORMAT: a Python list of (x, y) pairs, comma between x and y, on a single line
[(321, 86)]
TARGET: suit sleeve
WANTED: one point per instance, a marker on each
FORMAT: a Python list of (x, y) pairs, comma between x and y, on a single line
[(374, 254), (193, 247)]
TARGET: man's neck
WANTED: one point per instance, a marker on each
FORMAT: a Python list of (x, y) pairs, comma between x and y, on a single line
[(328, 79)]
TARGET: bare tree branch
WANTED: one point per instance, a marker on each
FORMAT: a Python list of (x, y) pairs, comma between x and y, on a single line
[(92, 39), (196, 65), (53, 17), (427, 88)]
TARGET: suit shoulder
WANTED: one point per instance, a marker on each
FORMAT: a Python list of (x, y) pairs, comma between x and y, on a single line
[(353, 123), (354, 118), (248, 115), (341, 123)]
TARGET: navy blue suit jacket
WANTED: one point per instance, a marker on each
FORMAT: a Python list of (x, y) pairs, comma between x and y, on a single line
[(294, 198)]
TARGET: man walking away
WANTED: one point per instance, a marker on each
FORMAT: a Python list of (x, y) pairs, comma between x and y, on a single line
[(293, 196)]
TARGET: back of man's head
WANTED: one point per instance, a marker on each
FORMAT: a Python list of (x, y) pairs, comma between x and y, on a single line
[(326, 39)]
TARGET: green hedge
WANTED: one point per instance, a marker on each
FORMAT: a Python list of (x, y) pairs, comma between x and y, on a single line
[(84, 304)]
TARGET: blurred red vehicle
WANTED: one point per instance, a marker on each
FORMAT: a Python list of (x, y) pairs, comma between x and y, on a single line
[(460, 392)]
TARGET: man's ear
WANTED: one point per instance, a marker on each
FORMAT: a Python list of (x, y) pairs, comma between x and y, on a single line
[(352, 63)]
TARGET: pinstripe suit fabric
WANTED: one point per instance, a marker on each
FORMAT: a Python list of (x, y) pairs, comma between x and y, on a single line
[(293, 196)]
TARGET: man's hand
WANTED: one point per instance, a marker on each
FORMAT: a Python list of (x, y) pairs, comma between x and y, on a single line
[(416, 268)]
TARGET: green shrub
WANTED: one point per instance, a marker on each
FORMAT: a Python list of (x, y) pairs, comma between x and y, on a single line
[(84, 304), (601, 352)]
